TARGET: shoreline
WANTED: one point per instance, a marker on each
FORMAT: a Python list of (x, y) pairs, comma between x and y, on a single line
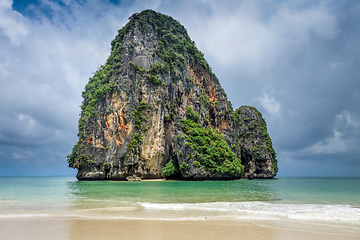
[(154, 180), (226, 229)]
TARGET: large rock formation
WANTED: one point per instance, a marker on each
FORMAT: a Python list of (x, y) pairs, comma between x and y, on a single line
[(156, 109)]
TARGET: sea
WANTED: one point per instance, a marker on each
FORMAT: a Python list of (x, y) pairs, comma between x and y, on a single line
[(332, 200)]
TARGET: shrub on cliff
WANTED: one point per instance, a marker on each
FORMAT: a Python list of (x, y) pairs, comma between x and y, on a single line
[(171, 168), (211, 149)]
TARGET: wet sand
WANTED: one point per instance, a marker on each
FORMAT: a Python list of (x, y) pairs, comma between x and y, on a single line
[(88, 229)]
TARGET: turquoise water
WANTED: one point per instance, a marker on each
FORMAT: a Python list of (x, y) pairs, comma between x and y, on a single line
[(325, 199)]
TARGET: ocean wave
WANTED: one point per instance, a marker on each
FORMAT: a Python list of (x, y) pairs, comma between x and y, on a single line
[(263, 210), (198, 211)]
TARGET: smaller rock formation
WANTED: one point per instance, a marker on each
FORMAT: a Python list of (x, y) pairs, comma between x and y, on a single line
[(133, 178)]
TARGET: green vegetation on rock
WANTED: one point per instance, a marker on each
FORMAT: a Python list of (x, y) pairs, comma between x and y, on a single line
[(71, 158), (137, 68), (106, 166), (154, 79), (96, 90), (98, 86), (196, 164), (158, 68), (262, 124), (174, 45), (137, 139), (210, 148), (155, 69), (192, 115), (184, 167), (171, 168), (81, 161), (234, 114), (138, 114)]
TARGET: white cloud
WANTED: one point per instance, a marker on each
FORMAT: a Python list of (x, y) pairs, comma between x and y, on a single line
[(298, 25), (6, 3), (334, 144), (341, 140), (270, 104), (16, 156), (336, 65), (29, 123), (345, 117), (331, 145), (45, 64), (22, 153), (12, 22), (241, 36)]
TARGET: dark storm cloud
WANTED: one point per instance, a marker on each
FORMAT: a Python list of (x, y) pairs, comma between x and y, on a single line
[(296, 61)]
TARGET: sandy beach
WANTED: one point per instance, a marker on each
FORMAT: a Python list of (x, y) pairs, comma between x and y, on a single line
[(87, 229)]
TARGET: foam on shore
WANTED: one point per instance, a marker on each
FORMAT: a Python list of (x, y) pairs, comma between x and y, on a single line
[(196, 211)]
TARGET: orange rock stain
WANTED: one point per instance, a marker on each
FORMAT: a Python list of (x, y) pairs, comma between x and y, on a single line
[(118, 139), (207, 85), (98, 144), (107, 131), (90, 140)]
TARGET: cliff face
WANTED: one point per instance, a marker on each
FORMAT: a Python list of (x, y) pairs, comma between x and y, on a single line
[(156, 109)]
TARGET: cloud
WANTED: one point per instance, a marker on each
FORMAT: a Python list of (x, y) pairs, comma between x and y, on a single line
[(346, 118), (12, 23), (24, 154), (270, 104), (345, 139), (29, 123), (16, 156), (336, 65), (299, 25), (249, 35), (45, 64), (335, 144)]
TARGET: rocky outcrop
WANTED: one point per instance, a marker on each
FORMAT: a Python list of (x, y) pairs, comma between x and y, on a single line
[(133, 178), (156, 109)]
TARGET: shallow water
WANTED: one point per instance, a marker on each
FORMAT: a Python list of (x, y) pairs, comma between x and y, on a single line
[(335, 200)]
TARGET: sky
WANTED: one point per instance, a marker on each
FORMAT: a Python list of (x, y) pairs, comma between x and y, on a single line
[(295, 61)]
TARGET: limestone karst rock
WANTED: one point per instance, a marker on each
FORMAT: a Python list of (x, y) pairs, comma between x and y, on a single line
[(155, 109)]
